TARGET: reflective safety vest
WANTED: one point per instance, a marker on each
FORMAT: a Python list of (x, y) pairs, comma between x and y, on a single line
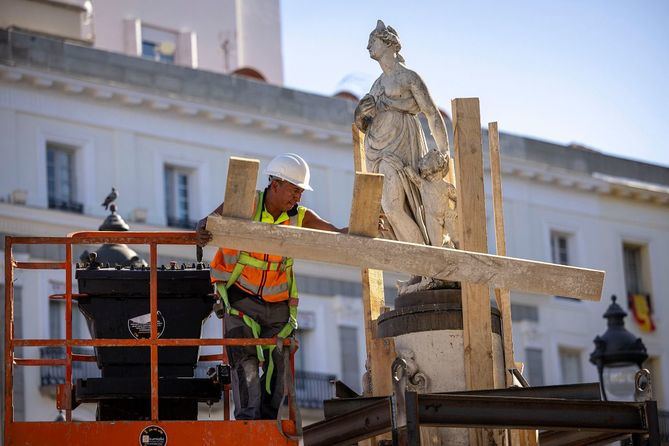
[(264, 275)]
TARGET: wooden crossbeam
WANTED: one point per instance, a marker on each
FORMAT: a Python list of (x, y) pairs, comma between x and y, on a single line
[(442, 263)]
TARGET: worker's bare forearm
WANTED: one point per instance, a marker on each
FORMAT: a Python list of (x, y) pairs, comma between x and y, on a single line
[(313, 221), (203, 222)]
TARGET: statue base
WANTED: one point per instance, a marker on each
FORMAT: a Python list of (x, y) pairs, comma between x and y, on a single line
[(427, 329)]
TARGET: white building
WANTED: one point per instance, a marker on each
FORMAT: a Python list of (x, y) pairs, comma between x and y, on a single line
[(83, 115)]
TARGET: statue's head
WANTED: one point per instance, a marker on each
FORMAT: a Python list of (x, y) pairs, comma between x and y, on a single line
[(434, 165), (384, 38)]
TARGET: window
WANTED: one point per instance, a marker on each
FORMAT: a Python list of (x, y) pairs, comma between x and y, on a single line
[(534, 362), (299, 354), (561, 252), (638, 293), (560, 248), (633, 265), (57, 316), (570, 365), (348, 344), (521, 312), (177, 197), (61, 184), (157, 44)]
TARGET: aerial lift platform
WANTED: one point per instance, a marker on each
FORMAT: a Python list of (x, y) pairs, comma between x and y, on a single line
[(154, 432)]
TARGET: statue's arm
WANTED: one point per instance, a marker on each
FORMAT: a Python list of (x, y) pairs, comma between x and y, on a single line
[(429, 109)]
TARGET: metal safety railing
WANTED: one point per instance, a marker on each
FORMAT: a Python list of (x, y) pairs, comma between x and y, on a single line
[(68, 344)]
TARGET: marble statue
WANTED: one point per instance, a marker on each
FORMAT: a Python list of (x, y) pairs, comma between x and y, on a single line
[(417, 200)]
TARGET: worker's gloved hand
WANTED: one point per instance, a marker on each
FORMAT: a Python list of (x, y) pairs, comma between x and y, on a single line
[(292, 319), (219, 308), (290, 326), (203, 236)]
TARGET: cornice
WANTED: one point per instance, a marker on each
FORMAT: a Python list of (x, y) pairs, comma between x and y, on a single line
[(600, 184), (179, 107)]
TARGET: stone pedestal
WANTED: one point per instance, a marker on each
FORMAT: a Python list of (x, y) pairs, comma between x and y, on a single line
[(427, 327)]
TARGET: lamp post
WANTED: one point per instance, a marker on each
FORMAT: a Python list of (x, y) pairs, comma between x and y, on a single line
[(618, 356)]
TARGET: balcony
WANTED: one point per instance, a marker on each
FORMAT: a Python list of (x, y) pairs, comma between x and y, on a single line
[(66, 205), (312, 388), (51, 376), (183, 223)]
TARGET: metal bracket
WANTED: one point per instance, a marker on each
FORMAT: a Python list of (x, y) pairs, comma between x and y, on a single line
[(397, 400), (643, 386)]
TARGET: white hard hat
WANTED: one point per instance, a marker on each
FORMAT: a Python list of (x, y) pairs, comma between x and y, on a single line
[(292, 168)]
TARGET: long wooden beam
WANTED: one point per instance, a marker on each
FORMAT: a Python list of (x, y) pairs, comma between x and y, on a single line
[(476, 322), (442, 263), (503, 296)]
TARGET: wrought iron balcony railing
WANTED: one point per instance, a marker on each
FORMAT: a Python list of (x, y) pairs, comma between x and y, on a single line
[(178, 222), (66, 205), (54, 375), (664, 427), (312, 388)]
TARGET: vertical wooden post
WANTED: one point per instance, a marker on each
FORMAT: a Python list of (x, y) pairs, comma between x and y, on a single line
[(239, 201), (364, 220), (477, 339), (240, 187), (503, 296)]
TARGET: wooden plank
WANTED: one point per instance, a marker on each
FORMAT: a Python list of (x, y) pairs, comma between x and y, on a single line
[(366, 205), (380, 352), (240, 187), (365, 221), (359, 163), (476, 322), (390, 255), (503, 296)]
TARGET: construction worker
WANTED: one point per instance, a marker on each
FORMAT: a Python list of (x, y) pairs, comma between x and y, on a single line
[(258, 293)]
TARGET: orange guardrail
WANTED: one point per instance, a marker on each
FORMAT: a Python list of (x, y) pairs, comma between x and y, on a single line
[(260, 432)]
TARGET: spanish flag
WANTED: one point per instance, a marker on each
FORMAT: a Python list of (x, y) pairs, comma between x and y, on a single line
[(642, 311)]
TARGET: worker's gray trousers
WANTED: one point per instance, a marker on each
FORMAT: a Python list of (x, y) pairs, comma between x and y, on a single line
[(252, 402)]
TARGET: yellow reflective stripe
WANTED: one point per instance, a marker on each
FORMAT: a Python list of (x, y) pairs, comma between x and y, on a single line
[(301, 210), (259, 206), (247, 260)]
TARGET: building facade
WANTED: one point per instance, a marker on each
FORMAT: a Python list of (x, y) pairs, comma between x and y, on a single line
[(159, 121)]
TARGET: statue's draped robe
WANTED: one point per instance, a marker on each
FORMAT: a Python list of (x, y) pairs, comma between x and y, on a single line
[(396, 137)]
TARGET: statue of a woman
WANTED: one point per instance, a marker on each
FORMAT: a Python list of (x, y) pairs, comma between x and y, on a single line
[(394, 139)]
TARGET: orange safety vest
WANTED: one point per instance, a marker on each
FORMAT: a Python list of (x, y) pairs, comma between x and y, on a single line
[(264, 275)]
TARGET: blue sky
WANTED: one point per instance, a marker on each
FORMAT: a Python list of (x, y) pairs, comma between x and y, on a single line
[(593, 72)]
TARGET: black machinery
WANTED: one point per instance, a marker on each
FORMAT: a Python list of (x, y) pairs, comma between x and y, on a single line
[(115, 303)]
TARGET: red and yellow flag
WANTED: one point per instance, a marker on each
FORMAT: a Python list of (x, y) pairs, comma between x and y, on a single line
[(642, 311)]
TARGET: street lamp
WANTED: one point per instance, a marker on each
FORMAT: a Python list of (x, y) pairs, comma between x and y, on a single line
[(618, 356)]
